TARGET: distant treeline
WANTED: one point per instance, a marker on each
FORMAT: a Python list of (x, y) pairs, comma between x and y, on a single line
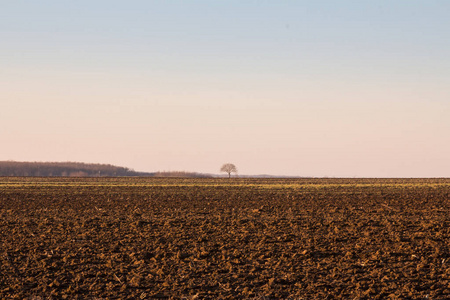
[(74, 169), (181, 174)]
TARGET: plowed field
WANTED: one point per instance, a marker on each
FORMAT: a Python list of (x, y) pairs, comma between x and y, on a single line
[(147, 238)]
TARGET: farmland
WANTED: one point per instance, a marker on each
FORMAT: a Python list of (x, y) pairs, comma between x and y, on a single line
[(174, 238)]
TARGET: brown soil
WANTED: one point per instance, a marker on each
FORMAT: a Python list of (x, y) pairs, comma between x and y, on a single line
[(139, 238)]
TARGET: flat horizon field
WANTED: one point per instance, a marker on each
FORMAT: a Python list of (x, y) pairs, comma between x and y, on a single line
[(220, 238)]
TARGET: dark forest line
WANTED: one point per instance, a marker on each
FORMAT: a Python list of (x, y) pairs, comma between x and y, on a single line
[(78, 169), (71, 169)]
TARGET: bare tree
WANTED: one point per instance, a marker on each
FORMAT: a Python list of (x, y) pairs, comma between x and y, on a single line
[(228, 168)]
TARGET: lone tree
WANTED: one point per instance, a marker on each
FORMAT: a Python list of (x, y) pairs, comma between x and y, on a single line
[(228, 168)]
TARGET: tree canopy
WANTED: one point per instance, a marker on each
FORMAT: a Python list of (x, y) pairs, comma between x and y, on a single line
[(228, 168)]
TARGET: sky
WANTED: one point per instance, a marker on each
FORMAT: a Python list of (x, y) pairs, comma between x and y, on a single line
[(296, 88)]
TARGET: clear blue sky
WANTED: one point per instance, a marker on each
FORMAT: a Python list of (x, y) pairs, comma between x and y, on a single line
[(308, 88)]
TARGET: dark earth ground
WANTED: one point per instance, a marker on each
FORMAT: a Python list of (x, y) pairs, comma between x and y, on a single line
[(137, 238)]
